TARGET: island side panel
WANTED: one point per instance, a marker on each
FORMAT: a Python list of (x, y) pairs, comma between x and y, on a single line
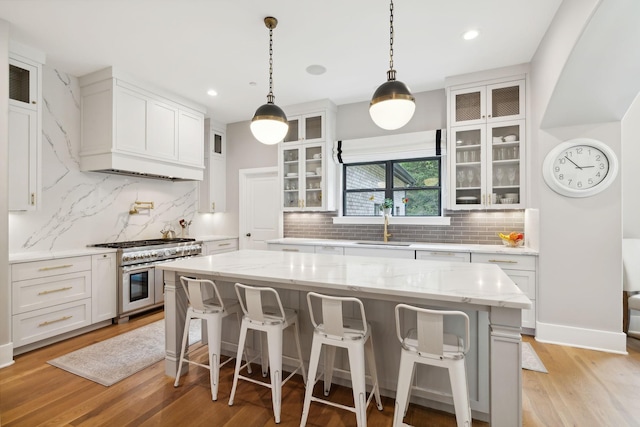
[(506, 367), (175, 302)]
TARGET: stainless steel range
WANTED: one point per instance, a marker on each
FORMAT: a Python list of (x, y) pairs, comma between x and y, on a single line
[(140, 285)]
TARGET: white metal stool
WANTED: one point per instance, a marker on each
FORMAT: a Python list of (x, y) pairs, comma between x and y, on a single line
[(352, 334), (427, 344), (273, 321), (206, 304)]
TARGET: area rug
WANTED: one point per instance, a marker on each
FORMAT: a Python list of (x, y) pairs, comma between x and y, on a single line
[(530, 359), (113, 360)]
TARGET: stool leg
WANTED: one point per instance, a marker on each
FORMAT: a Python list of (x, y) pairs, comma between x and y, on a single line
[(314, 359), (458, 377), (246, 354), (329, 359), (214, 336), (296, 332), (274, 338), (371, 360), (185, 342), (264, 351), (241, 341), (358, 381), (403, 390)]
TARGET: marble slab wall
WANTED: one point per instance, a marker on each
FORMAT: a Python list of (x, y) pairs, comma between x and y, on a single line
[(77, 208)]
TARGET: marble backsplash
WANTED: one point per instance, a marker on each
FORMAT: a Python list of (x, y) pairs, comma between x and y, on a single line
[(77, 208)]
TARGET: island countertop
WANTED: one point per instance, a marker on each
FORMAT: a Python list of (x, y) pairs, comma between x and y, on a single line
[(476, 284)]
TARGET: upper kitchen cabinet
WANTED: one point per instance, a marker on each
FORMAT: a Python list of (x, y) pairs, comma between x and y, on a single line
[(25, 127), (213, 186), (130, 127), (487, 145), (307, 172), (487, 103)]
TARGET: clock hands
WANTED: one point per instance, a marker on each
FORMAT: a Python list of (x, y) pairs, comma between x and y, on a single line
[(578, 167)]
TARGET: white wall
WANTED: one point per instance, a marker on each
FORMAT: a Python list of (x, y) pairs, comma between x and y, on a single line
[(580, 283), (6, 348), (631, 172)]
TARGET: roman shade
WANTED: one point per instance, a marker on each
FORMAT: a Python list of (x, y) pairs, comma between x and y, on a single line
[(391, 147)]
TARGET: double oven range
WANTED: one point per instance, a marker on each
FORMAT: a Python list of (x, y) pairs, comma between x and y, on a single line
[(140, 285)]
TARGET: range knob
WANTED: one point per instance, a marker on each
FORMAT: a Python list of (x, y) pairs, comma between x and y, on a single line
[(126, 257)]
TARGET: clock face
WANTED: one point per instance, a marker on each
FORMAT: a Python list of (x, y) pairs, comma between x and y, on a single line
[(579, 168)]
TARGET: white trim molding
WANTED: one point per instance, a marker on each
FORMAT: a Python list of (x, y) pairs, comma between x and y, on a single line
[(592, 339), (6, 355)]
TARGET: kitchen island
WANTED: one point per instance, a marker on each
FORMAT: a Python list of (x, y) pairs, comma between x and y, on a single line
[(483, 291)]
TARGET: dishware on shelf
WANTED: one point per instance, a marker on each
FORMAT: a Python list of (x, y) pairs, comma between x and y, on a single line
[(318, 171), (466, 200), (509, 138), (311, 173), (507, 201), (497, 139), (317, 156), (513, 196), (292, 174)]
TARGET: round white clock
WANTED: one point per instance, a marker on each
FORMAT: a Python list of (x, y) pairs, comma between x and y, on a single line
[(580, 167)]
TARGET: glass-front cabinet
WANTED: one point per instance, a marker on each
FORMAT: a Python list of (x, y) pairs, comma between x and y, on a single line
[(487, 165), (303, 177), (486, 104), (307, 127)]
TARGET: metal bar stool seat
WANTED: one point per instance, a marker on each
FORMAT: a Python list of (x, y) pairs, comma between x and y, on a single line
[(428, 344), (206, 304), (354, 335), (273, 320)]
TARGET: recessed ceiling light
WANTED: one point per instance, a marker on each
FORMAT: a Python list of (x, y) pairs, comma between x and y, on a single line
[(470, 35), (212, 92), (316, 70), (253, 84)]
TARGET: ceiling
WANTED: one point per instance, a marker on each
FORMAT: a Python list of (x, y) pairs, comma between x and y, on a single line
[(190, 46)]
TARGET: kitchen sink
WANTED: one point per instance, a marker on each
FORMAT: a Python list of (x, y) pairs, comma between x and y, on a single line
[(384, 243)]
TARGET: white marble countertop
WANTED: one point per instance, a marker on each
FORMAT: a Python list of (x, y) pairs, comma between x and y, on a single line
[(18, 257), (451, 247), (475, 284)]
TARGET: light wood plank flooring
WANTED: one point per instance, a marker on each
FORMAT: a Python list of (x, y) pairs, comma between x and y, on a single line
[(583, 388)]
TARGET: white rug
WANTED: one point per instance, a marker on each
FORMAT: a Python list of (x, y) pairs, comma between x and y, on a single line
[(113, 360), (530, 359)]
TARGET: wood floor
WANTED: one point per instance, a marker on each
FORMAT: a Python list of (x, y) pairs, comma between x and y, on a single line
[(583, 388)]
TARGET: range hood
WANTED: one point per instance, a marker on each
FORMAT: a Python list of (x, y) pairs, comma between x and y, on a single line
[(131, 128)]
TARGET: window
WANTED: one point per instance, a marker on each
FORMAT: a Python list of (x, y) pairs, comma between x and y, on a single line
[(414, 185)]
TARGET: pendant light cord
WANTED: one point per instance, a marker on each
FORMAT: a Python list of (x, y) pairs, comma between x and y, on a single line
[(270, 97), (391, 36)]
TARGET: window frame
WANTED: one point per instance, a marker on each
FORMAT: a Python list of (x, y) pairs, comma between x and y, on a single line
[(389, 189)]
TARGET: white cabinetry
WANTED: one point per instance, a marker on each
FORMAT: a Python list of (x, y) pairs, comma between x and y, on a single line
[(522, 270), (329, 250), (213, 187), (308, 175), (444, 256), (380, 252), (60, 296), (25, 124), (487, 146), (129, 126), (284, 247), (104, 292), (219, 246)]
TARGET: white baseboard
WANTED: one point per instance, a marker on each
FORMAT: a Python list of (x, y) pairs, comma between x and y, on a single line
[(6, 355), (592, 339)]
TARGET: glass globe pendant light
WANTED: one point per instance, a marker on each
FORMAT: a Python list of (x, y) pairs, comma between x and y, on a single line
[(392, 105), (269, 124)]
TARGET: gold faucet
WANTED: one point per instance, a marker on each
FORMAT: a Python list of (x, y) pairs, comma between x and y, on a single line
[(140, 205), (386, 235)]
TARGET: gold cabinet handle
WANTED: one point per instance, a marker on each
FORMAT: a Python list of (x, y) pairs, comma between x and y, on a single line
[(50, 291), (56, 267), (223, 244), (503, 261), (49, 322), (290, 250), (442, 253)]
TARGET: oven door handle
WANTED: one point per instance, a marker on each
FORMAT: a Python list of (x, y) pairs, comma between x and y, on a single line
[(138, 267)]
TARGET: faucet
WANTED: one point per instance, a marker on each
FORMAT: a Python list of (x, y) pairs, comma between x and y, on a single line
[(386, 234)]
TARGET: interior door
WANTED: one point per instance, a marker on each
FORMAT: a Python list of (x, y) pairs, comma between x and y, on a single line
[(260, 212)]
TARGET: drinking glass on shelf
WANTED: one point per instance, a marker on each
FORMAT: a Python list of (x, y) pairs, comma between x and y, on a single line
[(499, 176), (511, 176), (460, 178), (471, 176)]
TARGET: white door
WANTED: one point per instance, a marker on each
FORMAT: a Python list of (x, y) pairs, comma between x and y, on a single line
[(260, 214)]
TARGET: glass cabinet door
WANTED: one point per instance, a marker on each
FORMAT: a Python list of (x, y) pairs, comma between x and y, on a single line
[(22, 84), (505, 101), (313, 176), (293, 134), (468, 164), (468, 106), (506, 162), (291, 175)]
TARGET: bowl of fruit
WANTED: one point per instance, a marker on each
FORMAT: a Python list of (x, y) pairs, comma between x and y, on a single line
[(513, 239)]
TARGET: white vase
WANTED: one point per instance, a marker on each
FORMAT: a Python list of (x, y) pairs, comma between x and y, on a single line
[(386, 211)]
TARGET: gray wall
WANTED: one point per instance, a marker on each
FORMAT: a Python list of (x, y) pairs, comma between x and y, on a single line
[(6, 348)]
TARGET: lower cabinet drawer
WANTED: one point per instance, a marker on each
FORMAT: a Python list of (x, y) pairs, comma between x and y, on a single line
[(220, 246), (50, 267), (444, 256), (291, 248), (44, 292), (48, 322), (330, 250), (507, 261)]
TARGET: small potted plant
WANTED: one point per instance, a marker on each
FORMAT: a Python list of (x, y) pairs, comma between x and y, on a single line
[(386, 206)]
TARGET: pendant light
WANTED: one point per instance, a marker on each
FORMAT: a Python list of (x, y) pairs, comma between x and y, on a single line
[(269, 124), (392, 105)]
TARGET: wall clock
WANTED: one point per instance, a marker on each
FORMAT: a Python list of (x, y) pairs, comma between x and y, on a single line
[(580, 167)]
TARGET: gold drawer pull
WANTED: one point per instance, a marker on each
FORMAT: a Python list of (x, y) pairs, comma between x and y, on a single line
[(503, 261), (223, 244), (442, 253), (49, 322), (56, 267), (290, 250), (66, 288)]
